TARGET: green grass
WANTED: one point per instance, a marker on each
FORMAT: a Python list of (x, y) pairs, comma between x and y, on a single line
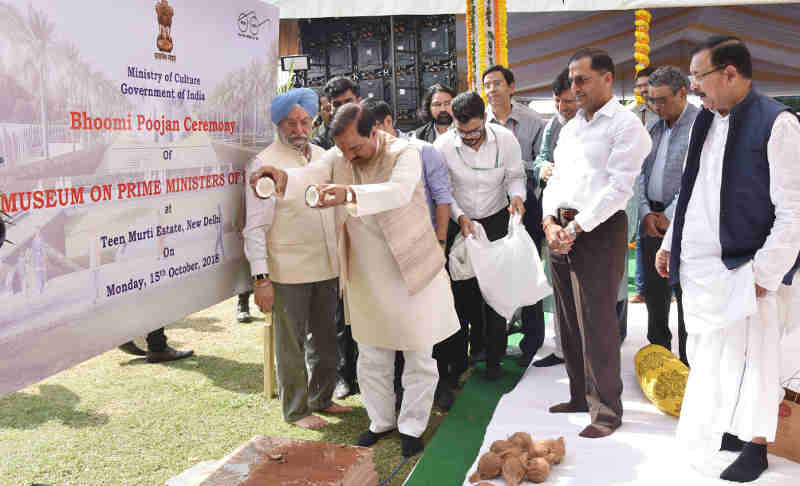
[(117, 420)]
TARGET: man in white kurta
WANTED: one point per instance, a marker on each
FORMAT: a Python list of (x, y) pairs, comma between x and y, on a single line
[(397, 297), (735, 317)]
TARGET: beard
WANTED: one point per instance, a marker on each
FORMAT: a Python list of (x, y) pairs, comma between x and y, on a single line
[(443, 118), (297, 142)]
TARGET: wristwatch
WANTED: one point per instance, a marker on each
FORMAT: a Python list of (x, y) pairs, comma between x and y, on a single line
[(571, 228), (260, 276), (348, 195)]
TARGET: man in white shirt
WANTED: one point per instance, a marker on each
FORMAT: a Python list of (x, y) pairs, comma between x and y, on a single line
[(597, 158), (396, 290), (733, 248), (292, 254), (528, 127), (485, 165)]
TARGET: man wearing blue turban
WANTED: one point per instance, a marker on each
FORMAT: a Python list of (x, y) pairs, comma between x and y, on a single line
[(292, 253)]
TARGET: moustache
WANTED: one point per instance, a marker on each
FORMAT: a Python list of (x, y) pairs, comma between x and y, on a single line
[(471, 141), (444, 118)]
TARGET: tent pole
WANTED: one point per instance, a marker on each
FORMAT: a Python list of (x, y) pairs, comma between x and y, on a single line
[(393, 62)]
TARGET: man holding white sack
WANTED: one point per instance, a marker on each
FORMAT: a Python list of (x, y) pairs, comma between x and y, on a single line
[(486, 171), (733, 247), (396, 290), (597, 158)]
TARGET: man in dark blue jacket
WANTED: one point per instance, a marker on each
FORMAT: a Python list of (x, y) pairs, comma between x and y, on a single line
[(733, 247)]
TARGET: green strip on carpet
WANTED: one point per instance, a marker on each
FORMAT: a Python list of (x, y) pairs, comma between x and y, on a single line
[(454, 446)]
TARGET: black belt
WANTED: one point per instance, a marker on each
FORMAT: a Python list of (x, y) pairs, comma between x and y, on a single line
[(656, 206)]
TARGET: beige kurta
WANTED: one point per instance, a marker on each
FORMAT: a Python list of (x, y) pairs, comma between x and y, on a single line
[(382, 311)]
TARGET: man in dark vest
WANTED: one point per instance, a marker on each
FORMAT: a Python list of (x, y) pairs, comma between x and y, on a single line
[(733, 247)]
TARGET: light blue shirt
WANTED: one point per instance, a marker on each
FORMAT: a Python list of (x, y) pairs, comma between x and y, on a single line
[(655, 186)]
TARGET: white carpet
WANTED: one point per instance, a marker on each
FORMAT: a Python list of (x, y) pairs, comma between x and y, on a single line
[(642, 452)]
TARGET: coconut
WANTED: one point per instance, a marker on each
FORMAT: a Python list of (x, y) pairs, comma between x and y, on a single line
[(537, 469), (513, 471), (523, 440), (541, 448), (499, 446), (490, 465)]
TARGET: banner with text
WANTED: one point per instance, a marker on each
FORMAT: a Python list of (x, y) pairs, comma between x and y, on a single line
[(125, 130)]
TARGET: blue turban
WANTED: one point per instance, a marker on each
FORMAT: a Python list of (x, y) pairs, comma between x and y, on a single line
[(283, 103)]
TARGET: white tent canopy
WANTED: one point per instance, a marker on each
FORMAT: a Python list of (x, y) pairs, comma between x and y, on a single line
[(306, 9), (540, 43)]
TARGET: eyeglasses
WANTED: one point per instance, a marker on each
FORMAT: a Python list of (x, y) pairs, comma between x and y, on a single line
[(660, 101), (441, 104), (696, 78), (468, 134), (579, 80)]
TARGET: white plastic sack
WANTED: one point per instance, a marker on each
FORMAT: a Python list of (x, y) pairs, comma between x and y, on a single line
[(458, 261), (509, 270)]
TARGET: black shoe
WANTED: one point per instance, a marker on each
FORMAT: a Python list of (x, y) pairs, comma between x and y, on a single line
[(494, 373), (524, 360), (169, 354), (549, 360), (243, 311), (731, 443), (445, 396), (752, 461), (369, 437), (131, 348), (411, 445)]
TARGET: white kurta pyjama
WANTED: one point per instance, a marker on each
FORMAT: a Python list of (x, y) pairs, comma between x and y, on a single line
[(734, 339)]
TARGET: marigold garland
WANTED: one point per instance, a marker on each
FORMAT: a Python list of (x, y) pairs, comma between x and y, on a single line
[(501, 29), (641, 46), (481, 29), (487, 38)]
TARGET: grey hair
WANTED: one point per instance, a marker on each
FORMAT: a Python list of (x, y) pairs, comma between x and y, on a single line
[(668, 76)]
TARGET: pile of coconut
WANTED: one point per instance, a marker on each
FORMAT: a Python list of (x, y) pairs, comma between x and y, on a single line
[(519, 458)]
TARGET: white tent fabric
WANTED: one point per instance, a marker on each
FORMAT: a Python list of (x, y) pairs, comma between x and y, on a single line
[(540, 44), (307, 9)]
